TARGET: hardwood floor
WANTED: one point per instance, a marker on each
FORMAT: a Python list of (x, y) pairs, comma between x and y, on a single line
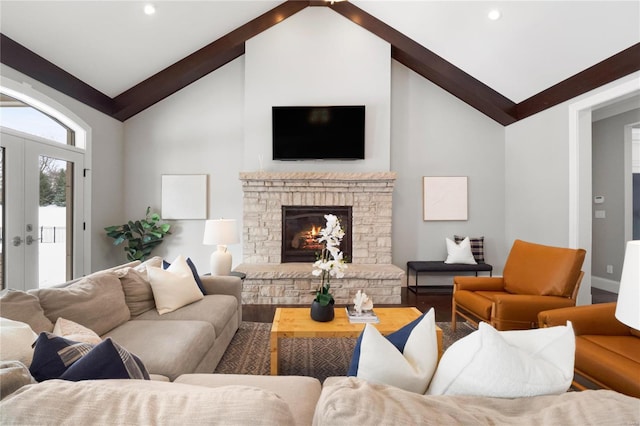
[(437, 297)]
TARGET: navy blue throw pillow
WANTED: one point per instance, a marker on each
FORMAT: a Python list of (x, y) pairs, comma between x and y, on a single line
[(397, 338), (194, 271), (107, 360), (53, 355)]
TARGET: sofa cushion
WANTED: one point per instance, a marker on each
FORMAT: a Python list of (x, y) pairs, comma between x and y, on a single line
[(477, 246), (16, 339), (73, 331), (169, 348), (613, 360), (20, 306), (107, 360), (174, 287), (137, 291), (142, 402), (412, 351), (13, 376), (217, 309), (97, 302), (542, 270), (53, 355), (459, 252), (194, 272), (300, 393), (507, 364), (350, 401)]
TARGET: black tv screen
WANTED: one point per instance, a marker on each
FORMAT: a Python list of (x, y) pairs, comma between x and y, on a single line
[(318, 132)]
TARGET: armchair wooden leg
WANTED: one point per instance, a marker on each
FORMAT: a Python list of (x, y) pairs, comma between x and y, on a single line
[(453, 315)]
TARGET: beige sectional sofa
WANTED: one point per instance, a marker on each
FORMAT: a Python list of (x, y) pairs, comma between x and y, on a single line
[(178, 348), (118, 303), (293, 400)]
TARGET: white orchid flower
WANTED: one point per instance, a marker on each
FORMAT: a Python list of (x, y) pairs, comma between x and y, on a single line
[(331, 262)]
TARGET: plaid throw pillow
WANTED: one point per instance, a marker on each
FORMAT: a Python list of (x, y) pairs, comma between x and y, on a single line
[(55, 357), (477, 246)]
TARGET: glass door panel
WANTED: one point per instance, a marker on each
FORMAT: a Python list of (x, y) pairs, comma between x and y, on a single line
[(54, 235)]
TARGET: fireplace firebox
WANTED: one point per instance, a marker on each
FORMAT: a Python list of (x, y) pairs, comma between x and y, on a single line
[(300, 229)]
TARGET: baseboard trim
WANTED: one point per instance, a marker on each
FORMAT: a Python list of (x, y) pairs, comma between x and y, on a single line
[(605, 284)]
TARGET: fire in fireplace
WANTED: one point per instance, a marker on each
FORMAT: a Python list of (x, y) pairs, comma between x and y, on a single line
[(301, 226)]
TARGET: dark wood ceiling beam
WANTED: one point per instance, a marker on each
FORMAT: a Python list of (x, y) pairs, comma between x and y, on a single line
[(611, 69), (199, 63), (231, 46), (21, 59), (433, 67)]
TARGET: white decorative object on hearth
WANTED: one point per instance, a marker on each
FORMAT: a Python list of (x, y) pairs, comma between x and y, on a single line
[(362, 302)]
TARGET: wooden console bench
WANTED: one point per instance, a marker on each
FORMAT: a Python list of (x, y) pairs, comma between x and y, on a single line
[(439, 266)]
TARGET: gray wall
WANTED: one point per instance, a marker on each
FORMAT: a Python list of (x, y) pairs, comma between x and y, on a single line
[(435, 134), (608, 180), (540, 153), (200, 130)]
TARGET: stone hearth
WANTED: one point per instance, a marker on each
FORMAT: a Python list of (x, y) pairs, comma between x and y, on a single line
[(269, 281)]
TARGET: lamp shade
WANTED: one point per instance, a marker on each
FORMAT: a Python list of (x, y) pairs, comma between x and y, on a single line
[(628, 306), (220, 232)]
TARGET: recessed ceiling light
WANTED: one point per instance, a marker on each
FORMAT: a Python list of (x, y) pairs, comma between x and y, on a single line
[(149, 9), (494, 15)]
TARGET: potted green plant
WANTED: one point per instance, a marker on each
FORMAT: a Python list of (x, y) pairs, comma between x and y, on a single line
[(142, 236)]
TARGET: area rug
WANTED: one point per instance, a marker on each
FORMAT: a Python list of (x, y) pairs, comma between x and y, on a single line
[(248, 352)]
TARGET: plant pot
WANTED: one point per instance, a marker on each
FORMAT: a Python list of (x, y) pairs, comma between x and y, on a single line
[(322, 313)]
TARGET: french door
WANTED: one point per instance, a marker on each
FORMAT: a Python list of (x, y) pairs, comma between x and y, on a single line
[(42, 211)]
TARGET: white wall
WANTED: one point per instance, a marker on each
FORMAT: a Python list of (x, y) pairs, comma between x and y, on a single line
[(317, 57), (198, 130), (107, 183), (436, 134)]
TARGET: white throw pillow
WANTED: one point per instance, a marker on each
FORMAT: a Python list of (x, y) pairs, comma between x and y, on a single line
[(174, 287), (507, 364), (381, 362), (460, 253), (16, 339), (73, 331)]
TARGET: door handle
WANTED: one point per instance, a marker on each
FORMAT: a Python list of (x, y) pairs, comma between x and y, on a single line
[(16, 241), (30, 240)]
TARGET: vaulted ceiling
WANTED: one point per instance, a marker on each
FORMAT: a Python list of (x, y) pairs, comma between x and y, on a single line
[(113, 57)]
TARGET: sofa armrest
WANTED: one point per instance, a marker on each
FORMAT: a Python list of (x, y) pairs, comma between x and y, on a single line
[(228, 284), (478, 283), (598, 319)]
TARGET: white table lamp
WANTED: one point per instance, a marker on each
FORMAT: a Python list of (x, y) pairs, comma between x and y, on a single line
[(220, 232), (628, 307)]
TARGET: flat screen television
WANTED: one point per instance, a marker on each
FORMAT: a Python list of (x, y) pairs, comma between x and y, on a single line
[(318, 132)]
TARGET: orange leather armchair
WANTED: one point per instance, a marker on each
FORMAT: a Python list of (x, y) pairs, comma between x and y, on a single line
[(607, 351), (535, 278)]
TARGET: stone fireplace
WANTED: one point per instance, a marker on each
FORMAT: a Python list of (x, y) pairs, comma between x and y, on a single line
[(275, 279), (300, 229)]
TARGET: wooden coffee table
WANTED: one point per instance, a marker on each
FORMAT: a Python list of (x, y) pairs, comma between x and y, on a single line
[(296, 323)]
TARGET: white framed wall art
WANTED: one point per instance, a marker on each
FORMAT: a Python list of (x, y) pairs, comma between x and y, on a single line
[(184, 197), (444, 198)]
